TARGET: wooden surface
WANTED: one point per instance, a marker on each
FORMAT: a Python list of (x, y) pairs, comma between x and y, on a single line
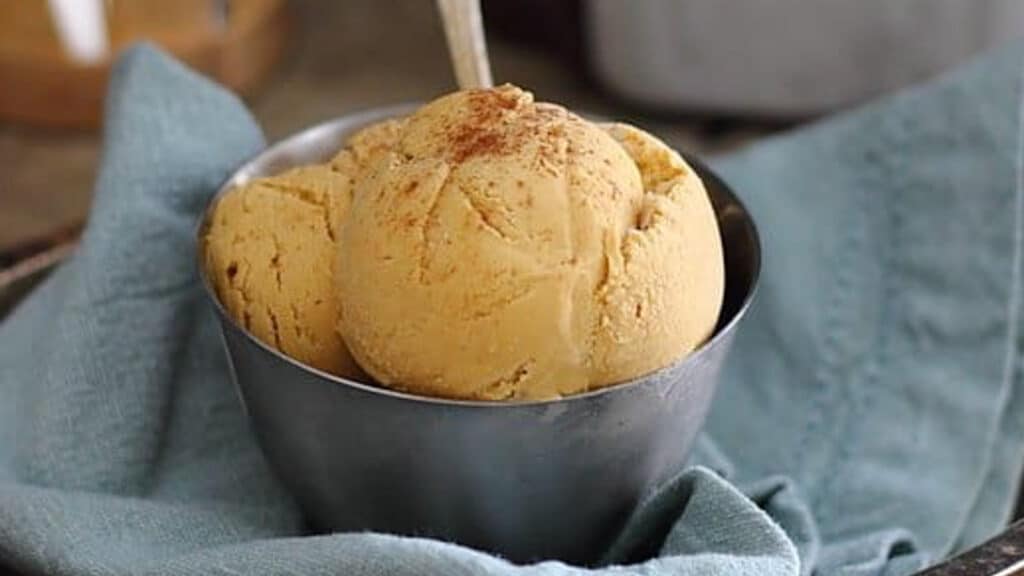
[(346, 56), (42, 85)]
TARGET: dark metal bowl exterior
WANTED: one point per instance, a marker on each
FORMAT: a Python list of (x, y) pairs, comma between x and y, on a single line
[(536, 480)]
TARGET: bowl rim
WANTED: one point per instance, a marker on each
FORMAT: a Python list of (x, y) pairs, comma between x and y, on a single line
[(249, 169)]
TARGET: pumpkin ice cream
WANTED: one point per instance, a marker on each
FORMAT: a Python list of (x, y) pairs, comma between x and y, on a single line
[(504, 249), (270, 251)]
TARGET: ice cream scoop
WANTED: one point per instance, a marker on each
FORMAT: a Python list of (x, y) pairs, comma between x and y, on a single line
[(270, 250), (505, 249)]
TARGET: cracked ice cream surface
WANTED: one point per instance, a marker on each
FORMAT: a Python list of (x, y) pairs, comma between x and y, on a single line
[(270, 253), (497, 248)]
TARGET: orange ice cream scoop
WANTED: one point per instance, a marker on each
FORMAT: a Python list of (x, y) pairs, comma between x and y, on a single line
[(505, 249)]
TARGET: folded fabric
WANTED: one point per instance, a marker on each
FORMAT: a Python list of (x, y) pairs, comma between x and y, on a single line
[(871, 414)]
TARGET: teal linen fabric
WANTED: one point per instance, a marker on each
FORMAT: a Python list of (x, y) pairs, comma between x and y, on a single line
[(870, 420), (888, 332)]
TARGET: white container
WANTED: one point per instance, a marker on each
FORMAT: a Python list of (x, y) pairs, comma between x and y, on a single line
[(783, 57)]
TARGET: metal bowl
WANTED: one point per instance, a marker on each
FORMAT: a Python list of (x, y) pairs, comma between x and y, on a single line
[(533, 480)]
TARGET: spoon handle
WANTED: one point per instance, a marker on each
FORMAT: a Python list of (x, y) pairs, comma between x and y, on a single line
[(464, 28)]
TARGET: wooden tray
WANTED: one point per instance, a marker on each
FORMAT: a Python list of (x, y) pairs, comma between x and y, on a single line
[(239, 47)]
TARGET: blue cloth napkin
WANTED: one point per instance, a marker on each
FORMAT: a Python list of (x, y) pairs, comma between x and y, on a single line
[(870, 420)]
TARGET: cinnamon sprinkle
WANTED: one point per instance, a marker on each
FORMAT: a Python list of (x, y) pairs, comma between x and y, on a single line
[(499, 122)]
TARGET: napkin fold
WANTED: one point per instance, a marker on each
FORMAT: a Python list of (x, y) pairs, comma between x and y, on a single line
[(870, 420)]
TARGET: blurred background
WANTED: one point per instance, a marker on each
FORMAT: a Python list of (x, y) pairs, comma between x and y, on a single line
[(708, 76)]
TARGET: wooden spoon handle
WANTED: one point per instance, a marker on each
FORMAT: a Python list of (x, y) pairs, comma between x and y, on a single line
[(464, 28)]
